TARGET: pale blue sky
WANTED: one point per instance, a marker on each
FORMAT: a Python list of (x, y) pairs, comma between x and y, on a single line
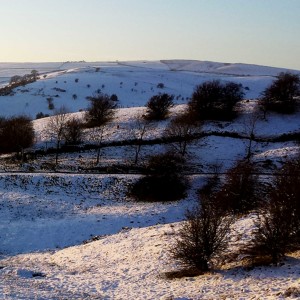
[(250, 31)]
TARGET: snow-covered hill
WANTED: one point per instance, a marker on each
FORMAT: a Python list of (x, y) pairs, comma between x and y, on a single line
[(79, 236), (68, 84)]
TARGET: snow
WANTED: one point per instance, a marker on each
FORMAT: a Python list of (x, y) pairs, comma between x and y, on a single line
[(133, 82), (79, 236), (132, 265)]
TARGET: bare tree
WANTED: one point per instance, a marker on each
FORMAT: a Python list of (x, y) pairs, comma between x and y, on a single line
[(250, 127), (182, 130), (55, 128), (278, 223), (97, 134), (138, 130)]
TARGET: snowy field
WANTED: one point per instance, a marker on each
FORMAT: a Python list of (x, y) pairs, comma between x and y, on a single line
[(79, 236)]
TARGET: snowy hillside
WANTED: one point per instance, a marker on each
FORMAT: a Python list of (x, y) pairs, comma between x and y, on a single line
[(71, 233), (68, 84)]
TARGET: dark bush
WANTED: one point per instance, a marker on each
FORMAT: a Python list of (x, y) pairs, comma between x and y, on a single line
[(73, 131), (100, 111), (216, 101), (163, 180), (203, 237), (16, 134), (158, 106), (281, 95), (241, 190), (41, 115), (160, 85), (278, 223)]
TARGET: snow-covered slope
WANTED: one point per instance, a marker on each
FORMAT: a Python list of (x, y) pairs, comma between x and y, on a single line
[(126, 256), (133, 82), (132, 265)]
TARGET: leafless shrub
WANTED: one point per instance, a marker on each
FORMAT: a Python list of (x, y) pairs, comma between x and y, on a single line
[(278, 223), (203, 236)]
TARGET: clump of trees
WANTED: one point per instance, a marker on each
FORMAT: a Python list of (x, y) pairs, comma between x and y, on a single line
[(281, 95), (101, 110), (163, 181), (16, 134), (158, 106), (213, 100)]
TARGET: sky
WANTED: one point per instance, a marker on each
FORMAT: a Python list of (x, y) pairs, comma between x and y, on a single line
[(264, 32)]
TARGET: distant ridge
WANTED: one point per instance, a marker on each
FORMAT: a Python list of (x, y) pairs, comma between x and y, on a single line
[(224, 68)]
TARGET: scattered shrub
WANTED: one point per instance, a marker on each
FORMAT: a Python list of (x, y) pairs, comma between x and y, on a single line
[(41, 115), (73, 131)]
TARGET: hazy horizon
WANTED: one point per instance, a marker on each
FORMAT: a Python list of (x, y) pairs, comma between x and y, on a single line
[(231, 31)]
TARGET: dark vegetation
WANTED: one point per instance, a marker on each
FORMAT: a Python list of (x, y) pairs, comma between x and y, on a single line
[(213, 100), (204, 235), (101, 110), (16, 134), (163, 181), (17, 81), (278, 222), (281, 96), (158, 106)]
